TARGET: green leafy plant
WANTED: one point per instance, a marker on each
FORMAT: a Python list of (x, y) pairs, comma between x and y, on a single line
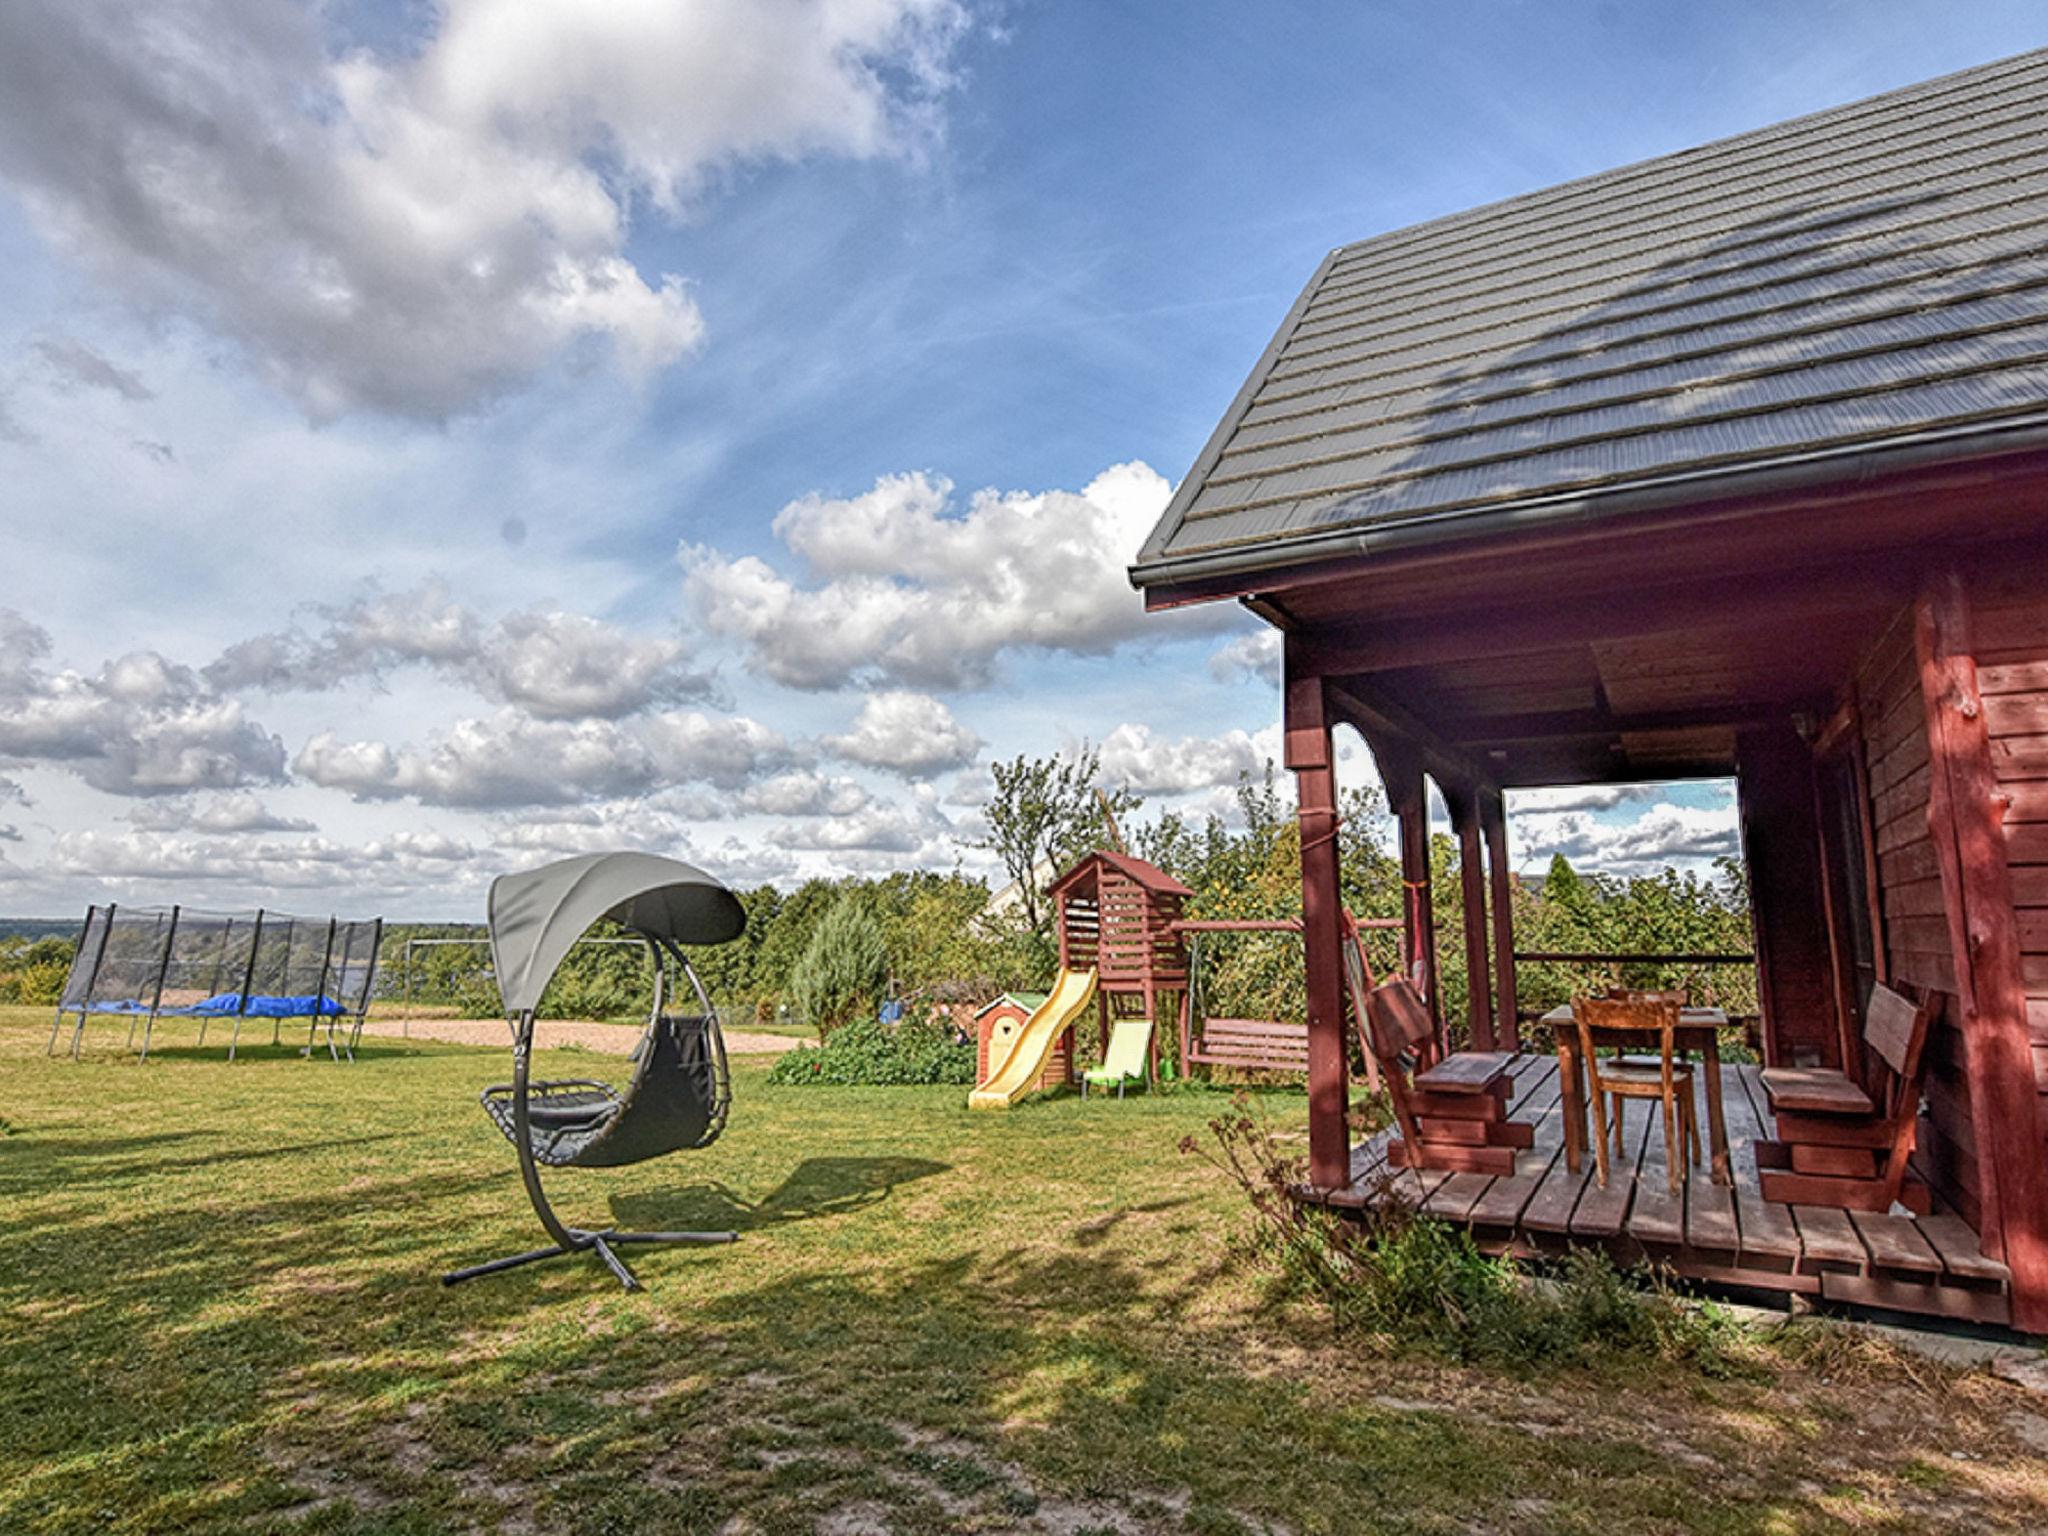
[(918, 1049), (1404, 1283), (844, 969)]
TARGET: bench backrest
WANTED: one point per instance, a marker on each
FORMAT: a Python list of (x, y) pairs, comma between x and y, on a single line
[(1257, 1043), (1895, 1031), (1400, 1021)]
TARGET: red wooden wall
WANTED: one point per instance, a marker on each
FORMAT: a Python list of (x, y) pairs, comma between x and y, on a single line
[(2009, 623), (1917, 949)]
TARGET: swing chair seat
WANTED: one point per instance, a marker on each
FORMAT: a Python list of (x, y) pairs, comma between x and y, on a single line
[(676, 1102)]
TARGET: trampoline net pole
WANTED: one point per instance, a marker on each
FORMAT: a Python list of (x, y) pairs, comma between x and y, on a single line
[(156, 999)]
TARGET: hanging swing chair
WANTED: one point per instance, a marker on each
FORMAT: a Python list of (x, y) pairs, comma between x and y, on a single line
[(679, 1093)]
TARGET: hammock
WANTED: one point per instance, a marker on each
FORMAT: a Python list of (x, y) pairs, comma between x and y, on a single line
[(679, 1095)]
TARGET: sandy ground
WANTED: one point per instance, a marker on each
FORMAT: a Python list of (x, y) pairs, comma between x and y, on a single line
[(613, 1039)]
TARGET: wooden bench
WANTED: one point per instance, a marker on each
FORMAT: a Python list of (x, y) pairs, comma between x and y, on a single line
[(1255, 1045), (1839, 1146), (1453, 1112)]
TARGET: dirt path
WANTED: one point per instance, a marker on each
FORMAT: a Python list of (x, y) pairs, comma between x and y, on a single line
[(613, 1039)]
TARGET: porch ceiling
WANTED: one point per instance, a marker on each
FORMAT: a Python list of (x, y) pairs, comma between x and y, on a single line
[(1653, 701)]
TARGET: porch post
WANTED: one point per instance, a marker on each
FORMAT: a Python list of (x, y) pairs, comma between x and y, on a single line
[(1410, 800), (1493, 819), (1472, 885), (1966, 814), (1309, 753)]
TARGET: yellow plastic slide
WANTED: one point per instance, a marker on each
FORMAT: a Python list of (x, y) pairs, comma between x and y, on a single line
[(1018, 1072)]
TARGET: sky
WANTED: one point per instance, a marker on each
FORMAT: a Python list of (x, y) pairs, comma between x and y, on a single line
[(436, 438)]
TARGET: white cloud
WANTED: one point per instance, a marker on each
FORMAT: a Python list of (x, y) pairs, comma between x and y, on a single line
[(804, 792), (141, 725), (1134, 758), (908, 733), (907, 588), (1254, 657), (220, 814), (416, 231), (77, 366), (554, 665), (1663, 834), (1592, 797), (509, 760)]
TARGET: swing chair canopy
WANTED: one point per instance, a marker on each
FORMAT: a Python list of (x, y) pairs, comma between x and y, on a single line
[(536, 916)]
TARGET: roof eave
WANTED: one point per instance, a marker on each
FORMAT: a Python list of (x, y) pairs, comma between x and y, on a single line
[(1172, 580)]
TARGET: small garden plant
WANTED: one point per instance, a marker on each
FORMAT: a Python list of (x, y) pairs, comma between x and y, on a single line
[(1402, 1282), (916, 1049)]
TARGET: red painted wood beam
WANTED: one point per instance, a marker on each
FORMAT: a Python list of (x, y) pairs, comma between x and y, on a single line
[(1965, 815), (1834, 598), (1493, 818), (1312, 757), (1472, 884)]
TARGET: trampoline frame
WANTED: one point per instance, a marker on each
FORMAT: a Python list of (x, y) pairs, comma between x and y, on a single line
[(342, 1038)]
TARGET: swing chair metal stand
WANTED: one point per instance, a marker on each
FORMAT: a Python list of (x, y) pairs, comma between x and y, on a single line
[(568, 1240)]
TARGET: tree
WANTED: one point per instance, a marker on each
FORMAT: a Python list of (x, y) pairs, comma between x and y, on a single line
[(1047, 811), (844, 969)]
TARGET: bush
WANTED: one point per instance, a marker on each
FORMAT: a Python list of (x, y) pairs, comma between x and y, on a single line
[(917, 1050), (844, 969), (34, 971), (1405, 1283)]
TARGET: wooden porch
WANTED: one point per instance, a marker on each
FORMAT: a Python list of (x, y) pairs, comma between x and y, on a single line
[(1709, 1233)]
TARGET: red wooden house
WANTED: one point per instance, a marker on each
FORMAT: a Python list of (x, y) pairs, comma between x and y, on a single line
[(1732, 463)]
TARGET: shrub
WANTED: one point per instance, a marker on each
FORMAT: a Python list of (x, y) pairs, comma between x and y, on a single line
[(916, 1050), (34, 971), (1405, 1283), (843, 971)]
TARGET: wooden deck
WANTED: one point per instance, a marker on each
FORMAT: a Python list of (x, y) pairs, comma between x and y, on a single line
[(1710, 1232)]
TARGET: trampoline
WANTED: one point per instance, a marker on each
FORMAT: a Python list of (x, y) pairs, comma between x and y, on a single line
[(150, 963)]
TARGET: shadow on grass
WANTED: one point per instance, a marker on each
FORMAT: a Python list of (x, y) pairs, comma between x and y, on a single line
[(819, 1186), (29, 1163)]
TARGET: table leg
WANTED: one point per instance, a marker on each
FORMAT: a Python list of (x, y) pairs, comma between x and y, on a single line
[(1717, 1122), (1572, 1102)]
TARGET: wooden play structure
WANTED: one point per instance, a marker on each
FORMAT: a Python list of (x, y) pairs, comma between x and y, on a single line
[(1126, 950), (1118, 917)]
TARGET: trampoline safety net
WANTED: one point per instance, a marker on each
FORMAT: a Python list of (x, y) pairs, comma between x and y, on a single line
[(183, 962)]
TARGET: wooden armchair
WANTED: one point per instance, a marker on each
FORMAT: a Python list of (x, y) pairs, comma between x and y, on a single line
[(1453, 1114), (1839, 1146)]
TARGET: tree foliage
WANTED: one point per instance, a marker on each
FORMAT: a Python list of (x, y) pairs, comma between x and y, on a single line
[(1047, 812), (844, 969)]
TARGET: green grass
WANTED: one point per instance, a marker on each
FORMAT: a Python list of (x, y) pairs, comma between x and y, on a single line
[(219, 1312)]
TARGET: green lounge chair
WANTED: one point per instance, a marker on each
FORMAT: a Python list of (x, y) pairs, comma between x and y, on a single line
[(1130, 1042)]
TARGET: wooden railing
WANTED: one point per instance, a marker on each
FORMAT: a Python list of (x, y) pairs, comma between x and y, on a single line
[(1602, 957)]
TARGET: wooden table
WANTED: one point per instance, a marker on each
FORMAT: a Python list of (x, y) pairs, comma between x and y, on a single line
[(1699, 1030)]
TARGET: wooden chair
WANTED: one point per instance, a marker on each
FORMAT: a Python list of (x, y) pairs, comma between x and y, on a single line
[(1453, 1114), (1623, 1078), (1839, 1146)]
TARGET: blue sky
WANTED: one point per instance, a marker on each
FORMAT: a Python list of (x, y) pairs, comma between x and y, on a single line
[(438, 438)]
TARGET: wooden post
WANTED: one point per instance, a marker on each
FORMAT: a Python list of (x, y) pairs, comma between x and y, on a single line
[(1966, 814), (1493, 818), (1409, 798), (1310, 755), (1472, 885)]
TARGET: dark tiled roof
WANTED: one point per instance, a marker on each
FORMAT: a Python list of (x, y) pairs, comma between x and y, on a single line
[(1854, 282)]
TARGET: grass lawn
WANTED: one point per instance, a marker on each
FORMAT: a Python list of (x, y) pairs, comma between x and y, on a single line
[(219, 1312)]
